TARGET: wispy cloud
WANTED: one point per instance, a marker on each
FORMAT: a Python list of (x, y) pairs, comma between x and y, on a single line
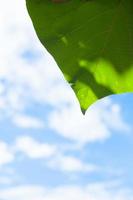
[(95, 191), (25, 121), (34, 149), (6, 155), (71, 164)]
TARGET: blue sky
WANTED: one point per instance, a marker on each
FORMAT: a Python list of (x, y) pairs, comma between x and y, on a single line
[(48, 149)]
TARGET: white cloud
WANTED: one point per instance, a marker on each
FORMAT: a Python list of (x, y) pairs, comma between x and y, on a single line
[(57, 160), (6, 156), (91, 192), (34, 149), (70, 164), (97, 124), (23, 193), (25, 121)]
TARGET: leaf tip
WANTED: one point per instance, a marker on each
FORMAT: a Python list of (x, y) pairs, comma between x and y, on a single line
[(83, 111)]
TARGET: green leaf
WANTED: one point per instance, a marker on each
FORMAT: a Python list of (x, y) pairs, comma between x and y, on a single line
[(91, 41)]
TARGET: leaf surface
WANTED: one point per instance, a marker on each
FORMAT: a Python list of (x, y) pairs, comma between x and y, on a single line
[(91, 41)]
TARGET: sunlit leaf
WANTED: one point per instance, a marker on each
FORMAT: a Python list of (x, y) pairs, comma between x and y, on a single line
[(91, 41)]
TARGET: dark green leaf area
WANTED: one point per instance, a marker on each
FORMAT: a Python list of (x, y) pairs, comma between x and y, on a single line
[(91, 41)]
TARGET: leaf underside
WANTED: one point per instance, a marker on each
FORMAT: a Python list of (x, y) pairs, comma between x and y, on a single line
[(91, 41)]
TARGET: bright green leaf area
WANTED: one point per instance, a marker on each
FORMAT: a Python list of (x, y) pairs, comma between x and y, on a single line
[(91, 41)]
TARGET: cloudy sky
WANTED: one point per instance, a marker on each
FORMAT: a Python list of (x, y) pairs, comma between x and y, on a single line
[(48, 149)]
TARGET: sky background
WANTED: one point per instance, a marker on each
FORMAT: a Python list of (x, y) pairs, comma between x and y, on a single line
[(48, 149)]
